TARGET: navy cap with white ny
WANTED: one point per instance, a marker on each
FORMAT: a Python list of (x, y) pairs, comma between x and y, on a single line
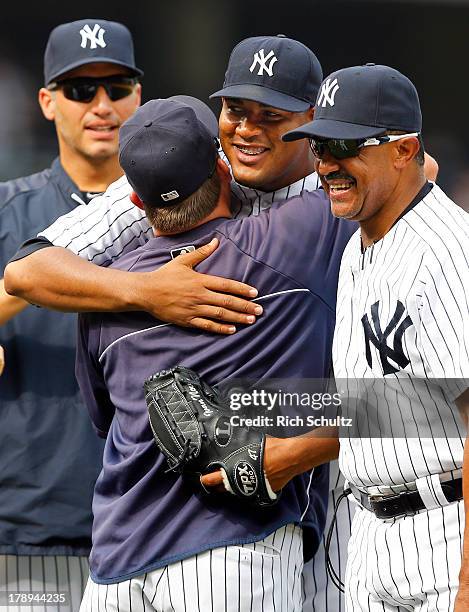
[(273, 70), (88, 41), (362, 102)]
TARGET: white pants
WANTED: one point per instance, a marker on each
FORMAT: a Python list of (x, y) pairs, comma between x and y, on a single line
[(263, 576), (319, 592), (37, 575), (409, 563)]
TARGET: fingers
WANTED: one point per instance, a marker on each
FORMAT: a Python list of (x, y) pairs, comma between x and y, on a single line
[(220, 313), (226, 285), (215, 283), (195, 257), (213, 479), (2, 359), (212, 326)]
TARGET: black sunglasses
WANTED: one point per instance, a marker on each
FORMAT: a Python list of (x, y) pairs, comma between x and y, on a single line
[(341, 149), (83, 89)]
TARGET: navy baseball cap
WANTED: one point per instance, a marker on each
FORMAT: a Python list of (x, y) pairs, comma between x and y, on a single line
[(88, 41), (168, 148), (273, 70), (361, 102)]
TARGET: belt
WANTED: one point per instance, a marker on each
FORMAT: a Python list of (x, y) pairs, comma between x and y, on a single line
[(405, 503)]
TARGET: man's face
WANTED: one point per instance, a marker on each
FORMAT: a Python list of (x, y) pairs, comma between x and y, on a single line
[(90, 129), (358, 187), (250, 134)]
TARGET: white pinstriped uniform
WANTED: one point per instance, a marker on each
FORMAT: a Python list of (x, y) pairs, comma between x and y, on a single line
[(268, 578), (44, 574), (409, 563), (110, 225)]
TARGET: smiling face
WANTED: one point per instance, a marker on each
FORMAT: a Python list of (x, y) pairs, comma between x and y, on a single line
[(250, 134), (89, 129), (358, 187)]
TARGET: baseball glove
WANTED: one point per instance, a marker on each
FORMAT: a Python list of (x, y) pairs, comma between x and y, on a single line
[(194, 432)]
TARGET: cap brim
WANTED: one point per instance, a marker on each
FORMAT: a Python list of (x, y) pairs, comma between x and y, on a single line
[(327, 128), (264, 95), (93, 60), (203, 112)]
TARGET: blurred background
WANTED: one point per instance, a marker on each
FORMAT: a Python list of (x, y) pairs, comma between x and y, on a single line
[(183, 47)]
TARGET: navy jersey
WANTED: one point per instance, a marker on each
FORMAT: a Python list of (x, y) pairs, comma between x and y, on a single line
[(49, 455), (145, 518)]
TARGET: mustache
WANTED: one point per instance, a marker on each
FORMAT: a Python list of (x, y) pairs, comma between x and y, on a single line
[(338, 175)]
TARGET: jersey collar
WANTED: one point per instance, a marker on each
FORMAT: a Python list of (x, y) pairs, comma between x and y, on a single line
[(61, 178)]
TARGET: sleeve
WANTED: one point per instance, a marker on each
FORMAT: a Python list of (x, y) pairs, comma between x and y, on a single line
[(30, 246), (90, 377), (444, 319), (109, 226)]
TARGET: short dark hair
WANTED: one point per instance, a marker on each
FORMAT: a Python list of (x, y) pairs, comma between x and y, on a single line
[(420, 157), (184, 215)]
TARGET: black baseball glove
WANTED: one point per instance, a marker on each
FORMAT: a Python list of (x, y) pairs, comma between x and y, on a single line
[(193, 430)]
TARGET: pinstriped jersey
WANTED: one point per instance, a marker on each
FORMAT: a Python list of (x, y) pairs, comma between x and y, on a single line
[(110, 225), (402, 338)]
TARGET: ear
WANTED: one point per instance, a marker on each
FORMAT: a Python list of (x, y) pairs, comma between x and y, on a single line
[(138, 93), (310, 112), (223, 170), (136, 200), (406, 149), (47, 103)]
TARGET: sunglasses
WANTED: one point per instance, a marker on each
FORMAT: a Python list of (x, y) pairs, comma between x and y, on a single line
[(341, 149), (83, 89)]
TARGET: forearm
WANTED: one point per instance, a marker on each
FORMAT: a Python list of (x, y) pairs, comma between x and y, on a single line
[(286, 458), (56, 278), (462, 600), (10, 306), (465, 560)]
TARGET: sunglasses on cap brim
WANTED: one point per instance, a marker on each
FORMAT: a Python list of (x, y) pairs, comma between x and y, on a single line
[(84, 89), (341, 149)]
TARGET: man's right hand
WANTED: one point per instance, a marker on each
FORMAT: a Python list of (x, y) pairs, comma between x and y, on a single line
[(55, 278), (190, 299)]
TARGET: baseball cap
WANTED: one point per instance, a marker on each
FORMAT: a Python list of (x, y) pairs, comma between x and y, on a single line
[(87, 41), (168, 148), (273, 70), (361, 102)]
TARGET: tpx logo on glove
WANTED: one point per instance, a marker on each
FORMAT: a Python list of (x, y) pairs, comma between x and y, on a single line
[(246, 478)]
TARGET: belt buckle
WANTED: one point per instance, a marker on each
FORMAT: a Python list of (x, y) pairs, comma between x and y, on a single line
[(389, 499)]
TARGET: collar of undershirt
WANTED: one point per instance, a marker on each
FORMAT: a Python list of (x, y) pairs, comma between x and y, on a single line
[(418, 198), (248, 194), (87, 196)]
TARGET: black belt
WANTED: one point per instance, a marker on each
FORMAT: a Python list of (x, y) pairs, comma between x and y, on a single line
[(406, 503)]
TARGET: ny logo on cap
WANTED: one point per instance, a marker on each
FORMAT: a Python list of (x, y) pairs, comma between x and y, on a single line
[(328, 90), (261, 59), (95, 36)]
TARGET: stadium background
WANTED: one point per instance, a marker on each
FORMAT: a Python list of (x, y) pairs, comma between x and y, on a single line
[(184, 45)]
